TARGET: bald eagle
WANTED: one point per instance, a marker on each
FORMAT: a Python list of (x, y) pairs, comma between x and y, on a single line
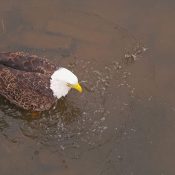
[(32, 82)]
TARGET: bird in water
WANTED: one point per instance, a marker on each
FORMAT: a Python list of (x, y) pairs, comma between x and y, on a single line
[(32, 82)]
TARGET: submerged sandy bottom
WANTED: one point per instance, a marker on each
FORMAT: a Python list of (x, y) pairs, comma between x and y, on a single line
[(123, 123)]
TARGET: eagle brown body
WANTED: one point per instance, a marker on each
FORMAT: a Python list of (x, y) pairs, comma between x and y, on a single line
[(25, 80)]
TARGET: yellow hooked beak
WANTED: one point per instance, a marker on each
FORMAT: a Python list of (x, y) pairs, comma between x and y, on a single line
[(77, 87)]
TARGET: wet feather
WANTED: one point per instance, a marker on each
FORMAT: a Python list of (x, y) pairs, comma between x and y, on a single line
[(25, 80)]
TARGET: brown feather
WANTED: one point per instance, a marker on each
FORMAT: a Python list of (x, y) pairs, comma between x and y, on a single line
[(25, 81), (26, 62)]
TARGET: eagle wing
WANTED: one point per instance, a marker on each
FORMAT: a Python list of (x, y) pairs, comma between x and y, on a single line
[(25, 62), (29, 90)]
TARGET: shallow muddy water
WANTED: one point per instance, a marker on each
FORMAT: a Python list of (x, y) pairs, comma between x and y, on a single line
[(123, 123)]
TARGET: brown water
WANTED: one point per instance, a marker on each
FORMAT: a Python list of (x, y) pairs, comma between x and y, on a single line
[(123, 123)]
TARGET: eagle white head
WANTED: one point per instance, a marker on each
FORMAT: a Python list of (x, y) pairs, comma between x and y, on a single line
[(62, 80)]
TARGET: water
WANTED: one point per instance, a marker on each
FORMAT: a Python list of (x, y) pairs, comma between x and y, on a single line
[(123, 122)]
